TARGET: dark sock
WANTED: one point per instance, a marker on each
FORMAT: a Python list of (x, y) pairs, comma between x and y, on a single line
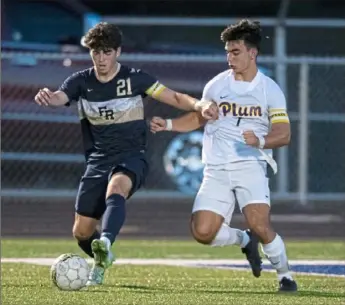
[(85, 244), (114, 216)]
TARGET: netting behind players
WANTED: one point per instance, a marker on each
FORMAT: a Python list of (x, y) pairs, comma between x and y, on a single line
[(42, 147)]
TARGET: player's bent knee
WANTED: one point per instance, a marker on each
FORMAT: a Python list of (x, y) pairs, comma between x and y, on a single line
[(203, 229), (261, 229), (116, 189), (257, 215), (258, 225), (81, 233), (203, 236), (258, 220), (83, 227)]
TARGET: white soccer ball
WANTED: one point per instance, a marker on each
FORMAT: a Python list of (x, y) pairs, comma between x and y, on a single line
[(69, 272)]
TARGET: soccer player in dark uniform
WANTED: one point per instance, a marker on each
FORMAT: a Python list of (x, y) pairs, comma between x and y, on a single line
[(110, 103)]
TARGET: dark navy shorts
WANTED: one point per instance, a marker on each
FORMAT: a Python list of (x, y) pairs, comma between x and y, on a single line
[(93, 185)]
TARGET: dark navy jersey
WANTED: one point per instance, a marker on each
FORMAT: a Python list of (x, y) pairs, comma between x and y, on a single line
[(112, 113)]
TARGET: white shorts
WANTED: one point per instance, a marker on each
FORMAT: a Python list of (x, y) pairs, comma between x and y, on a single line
[(245, 182)]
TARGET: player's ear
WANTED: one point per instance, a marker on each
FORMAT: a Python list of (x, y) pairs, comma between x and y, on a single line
[(253, 53)]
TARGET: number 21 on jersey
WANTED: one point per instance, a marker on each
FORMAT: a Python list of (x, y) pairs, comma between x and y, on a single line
[(124, 87)]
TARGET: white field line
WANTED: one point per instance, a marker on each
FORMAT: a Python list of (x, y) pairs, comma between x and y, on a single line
[(224, 264), (176, 262)]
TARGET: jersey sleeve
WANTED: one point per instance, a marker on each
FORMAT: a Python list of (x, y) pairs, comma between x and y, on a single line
[(207, 93), (277, 110), (72, 87), (148, 84)]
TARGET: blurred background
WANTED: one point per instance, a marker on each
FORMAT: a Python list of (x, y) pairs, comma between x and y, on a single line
[(179, 43)]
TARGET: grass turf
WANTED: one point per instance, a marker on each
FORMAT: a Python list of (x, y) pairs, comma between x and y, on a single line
[(166, 249), (127, 284)]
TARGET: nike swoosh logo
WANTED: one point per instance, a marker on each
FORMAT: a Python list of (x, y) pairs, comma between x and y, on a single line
[(224, 96), (89, 90)]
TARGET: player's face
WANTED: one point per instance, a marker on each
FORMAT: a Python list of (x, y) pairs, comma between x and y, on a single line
[(239, 56), (104, 60)]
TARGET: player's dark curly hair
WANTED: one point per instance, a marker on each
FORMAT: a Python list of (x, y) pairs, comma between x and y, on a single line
[(246, 30), (103, 36)]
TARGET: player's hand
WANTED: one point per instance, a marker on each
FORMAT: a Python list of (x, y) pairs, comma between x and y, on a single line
[(157, 124), (250, 138), (209, 111), (43, 97)]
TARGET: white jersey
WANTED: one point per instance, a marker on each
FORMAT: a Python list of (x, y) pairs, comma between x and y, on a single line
[(242, 106)]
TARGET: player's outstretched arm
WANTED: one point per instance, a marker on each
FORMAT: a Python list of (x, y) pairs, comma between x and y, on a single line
[(45, 97), (185, 123), (69, 91), (178, 100), (208, 109), (152, 87)]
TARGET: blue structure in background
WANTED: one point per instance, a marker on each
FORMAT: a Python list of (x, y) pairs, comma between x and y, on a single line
[(90, 20)]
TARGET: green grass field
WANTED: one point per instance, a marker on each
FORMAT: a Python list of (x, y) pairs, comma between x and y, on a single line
[(130, 284)]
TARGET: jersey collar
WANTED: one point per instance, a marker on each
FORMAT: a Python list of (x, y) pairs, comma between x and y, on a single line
[(251, 86)]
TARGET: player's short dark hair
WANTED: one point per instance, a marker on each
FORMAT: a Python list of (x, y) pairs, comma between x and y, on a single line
[(246, 30), (103, 36)]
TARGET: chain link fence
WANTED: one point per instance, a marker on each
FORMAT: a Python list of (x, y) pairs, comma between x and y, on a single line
[(326, 125), (42, 157), (42, 149)]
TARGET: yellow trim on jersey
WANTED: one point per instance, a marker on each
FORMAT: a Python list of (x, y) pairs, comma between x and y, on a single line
[(158, 91), (278, 115), (280, 120), (275, 110), (155, 90)]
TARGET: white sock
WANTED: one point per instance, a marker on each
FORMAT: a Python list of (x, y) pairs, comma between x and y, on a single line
[(106, 241), (228, 236), (276, 254)]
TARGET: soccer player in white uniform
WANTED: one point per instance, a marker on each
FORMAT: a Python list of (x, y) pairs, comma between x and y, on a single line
[(237, 151)]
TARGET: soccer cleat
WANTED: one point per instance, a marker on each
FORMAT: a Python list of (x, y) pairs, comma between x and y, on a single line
[(287, 285), (251, 250), (96, 276), (103, 259)]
